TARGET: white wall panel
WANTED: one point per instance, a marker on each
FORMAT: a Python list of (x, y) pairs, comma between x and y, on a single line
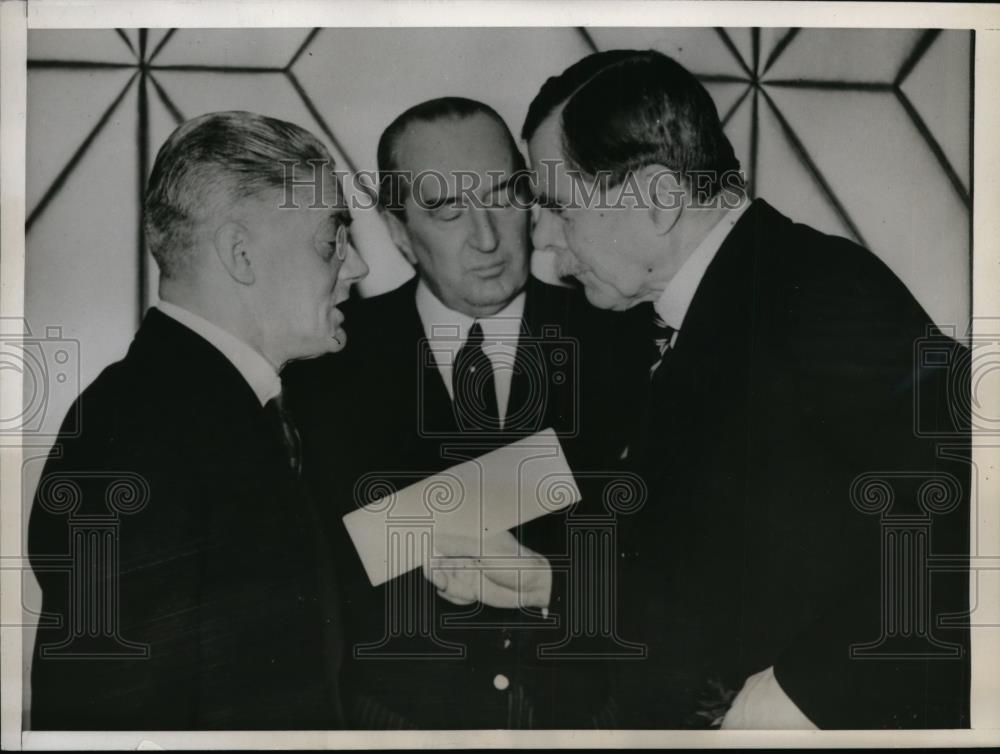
[(891, 163), (63, 109), (231, 47), (892, 187), (939, 89), (845, 54), (90, 45)]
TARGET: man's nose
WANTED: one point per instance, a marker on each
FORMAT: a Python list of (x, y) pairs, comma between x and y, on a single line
[(354, 268), (547, 233), (484, 234)]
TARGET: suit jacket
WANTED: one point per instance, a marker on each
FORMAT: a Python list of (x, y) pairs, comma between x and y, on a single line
[(786, 475), (183, 578), (381, 411)]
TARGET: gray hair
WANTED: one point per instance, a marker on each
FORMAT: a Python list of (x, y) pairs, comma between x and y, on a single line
[(214, 159)]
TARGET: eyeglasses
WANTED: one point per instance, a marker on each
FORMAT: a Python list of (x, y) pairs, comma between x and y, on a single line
[(343, 240)]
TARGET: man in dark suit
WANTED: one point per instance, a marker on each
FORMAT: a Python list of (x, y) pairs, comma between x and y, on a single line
[(787, 481), (185, 582), (470, 355)]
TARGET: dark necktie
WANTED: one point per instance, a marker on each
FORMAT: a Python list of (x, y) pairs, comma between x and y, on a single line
[(662, 335), (656, 335), (473, 386), (281, 419)]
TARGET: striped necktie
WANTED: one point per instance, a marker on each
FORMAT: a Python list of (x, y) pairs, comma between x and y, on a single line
[(281, 419), (662, 336)]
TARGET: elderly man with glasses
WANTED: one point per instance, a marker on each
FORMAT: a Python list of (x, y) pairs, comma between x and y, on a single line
[(208, 601)]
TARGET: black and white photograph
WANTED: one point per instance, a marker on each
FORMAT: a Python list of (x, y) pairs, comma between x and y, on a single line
[(633, 381)]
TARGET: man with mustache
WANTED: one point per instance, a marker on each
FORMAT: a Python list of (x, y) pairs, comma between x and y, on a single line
[(782, 376), (471, 354), (206, 599)]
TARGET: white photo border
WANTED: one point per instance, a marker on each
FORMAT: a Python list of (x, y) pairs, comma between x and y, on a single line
[(17, 17)]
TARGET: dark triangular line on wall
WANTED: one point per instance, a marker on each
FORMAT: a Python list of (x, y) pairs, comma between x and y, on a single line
[(302, 47), (755, 43), (319, 119), (918, 51), (780, 48), (142, 144), (161, 45), (736, 105), (588, 39), (831, 84), (126, 40), (76, 157), (935, 147), (192, 68), (722, 78), (77, 64), (732, 48), (167, 102), (143, 37), (810, 166), (754, 140)]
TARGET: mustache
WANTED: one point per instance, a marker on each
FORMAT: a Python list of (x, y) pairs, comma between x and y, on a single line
[(567, 266), (570, 281)]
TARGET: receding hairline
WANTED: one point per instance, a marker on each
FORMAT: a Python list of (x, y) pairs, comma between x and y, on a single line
[(407, 134)]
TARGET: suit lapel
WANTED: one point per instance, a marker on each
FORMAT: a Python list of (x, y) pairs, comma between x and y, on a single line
[(431, 404), (535, 397), (713, 350), (434, 404)]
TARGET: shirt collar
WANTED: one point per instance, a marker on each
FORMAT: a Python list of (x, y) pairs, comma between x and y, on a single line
[(259, 373), (673, 303), (442, 323)]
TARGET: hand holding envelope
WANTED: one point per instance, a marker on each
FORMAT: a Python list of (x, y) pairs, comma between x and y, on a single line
[(511, 576), (456, 524)]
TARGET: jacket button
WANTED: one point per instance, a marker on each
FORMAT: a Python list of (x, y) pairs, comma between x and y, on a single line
[(501, 682)]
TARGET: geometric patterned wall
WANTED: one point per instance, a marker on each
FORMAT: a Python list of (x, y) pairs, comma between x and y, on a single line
[(863, 133)]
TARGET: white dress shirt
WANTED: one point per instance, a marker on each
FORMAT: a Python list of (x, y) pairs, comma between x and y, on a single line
[(674, 302), (259, 373), (763, 705), (447, 330)]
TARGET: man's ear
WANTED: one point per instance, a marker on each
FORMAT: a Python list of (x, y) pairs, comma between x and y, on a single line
[(665, 194), (231, 247), (399, 235)]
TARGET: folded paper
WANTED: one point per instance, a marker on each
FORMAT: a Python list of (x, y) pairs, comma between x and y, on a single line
[(497, 491)]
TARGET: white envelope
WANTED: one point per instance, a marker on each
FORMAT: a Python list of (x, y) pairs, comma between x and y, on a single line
[(502, 489)]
